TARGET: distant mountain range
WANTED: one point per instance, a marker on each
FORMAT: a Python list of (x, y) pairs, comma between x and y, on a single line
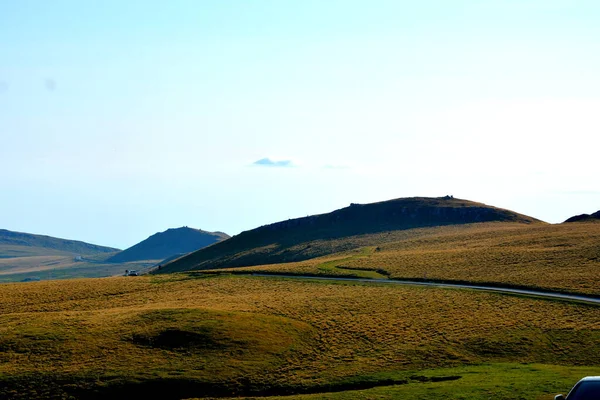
[(19, 244), (341, 230), (182, 249), (585, 217), (25, 256), (168, 244)]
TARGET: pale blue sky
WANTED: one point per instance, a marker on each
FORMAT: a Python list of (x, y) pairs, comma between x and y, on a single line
[(119, 119)]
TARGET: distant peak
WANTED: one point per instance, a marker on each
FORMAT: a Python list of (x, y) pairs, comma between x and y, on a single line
[(165, 244)]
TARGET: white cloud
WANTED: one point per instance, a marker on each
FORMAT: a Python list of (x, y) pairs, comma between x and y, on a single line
[(267, 162)]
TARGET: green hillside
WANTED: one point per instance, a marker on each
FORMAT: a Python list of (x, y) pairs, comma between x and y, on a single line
[(341, 230)]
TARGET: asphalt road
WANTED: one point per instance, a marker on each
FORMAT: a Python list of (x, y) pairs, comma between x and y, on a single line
[(523, 292)]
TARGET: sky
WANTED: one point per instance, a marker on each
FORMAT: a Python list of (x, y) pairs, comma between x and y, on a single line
[(122, 119)]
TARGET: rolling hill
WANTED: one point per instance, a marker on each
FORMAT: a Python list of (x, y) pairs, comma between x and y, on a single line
[(172, 242), (25, 256), (341, 230), (19, 244), (555, 257), (585, 217)]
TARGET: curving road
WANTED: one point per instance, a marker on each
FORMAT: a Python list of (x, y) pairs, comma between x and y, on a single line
[(524, 292)]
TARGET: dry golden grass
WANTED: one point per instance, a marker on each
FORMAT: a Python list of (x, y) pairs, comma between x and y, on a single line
[(18, 265), (236, 332), (562, 257), (53, 267)]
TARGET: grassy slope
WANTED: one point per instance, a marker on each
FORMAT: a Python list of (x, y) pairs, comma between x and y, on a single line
[(341, 230), (16, 251), (481, 382), (44, 268), (63, 266), (9, 239), (28, 256), (118, 337), (563, 257)]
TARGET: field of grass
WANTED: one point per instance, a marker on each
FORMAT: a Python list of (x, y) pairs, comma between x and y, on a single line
[(480, 382), (13, 251), (14, 265), (32, 261), (189, 335), (63, 267), (563, 257)]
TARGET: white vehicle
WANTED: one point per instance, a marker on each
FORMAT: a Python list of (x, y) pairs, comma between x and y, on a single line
[(586, 389), (132, 273)]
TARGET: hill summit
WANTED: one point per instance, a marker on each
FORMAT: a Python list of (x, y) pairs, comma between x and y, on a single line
[(167, 244), (317, 235)]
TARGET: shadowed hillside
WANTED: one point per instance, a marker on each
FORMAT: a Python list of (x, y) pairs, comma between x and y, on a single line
[(313, 236), (585, 217), (19, 244), (169, 243)]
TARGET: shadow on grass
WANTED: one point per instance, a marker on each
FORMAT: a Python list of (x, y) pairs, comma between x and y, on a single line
[(176, 339), (178, 388)]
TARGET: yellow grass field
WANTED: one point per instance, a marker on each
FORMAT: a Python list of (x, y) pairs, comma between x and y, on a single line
[(563, 257), (18, 265), (191, 336), (61, 267)]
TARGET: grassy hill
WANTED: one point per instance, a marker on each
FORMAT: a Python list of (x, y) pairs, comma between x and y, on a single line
[(585, 217), (562, 257), (19, 244), (183, 336), (25, 256), (341, 230), (169, 243)]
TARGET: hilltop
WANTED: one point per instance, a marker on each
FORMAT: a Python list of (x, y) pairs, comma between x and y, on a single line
[(585, 217), (167, 244), (19, 244), (345, 229)]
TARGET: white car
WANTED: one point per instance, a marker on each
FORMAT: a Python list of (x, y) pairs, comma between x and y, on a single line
[(586, 389)]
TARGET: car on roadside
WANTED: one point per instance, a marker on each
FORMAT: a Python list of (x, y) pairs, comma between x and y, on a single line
[(587, 388), (132, 273)]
